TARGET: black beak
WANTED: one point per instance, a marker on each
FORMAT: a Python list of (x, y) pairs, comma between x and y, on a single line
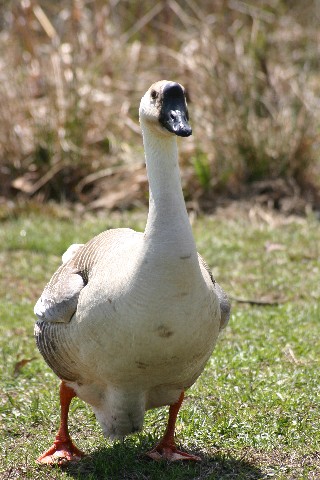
[(174, 113)]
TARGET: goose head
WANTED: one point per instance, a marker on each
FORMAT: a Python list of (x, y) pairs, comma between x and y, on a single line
[(164, 109)]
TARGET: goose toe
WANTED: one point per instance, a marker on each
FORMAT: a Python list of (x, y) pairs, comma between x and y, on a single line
[(61, 453)]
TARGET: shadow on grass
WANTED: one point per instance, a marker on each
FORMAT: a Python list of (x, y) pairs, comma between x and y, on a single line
[(123, 461)]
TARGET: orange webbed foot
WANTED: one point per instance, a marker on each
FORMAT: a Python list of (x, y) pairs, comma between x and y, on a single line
[(171, 454), (63, 450), (61, 453), (166, 448)]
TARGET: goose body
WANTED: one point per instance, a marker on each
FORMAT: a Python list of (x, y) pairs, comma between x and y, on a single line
[(129, 319)]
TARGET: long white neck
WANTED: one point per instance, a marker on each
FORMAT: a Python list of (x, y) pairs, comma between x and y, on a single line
[(168, 221)]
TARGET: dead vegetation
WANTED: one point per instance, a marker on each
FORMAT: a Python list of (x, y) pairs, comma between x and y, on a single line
[(72, 74)]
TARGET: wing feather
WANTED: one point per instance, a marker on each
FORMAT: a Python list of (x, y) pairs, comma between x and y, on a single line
[(59, 298), (225, 306)]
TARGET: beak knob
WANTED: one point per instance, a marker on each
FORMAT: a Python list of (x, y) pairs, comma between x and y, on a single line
[(174, 112)]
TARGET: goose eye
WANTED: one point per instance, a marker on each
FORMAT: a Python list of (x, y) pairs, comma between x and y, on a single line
[(154, 94)]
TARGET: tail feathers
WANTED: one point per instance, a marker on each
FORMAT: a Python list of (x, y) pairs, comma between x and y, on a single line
[(121, 413)]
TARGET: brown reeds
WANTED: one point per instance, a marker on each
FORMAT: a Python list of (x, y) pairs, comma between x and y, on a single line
[(72, 74)]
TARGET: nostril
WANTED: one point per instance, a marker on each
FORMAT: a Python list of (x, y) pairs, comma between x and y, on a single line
[(172, 115)]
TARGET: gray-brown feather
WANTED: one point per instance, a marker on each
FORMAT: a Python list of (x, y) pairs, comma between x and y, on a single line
[(225, 306), (59, 300), (55, 349)]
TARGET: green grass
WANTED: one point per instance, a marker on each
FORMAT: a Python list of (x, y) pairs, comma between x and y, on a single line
[(254, 412)]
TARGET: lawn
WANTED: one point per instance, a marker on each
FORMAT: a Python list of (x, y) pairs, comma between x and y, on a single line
[(254, 412)]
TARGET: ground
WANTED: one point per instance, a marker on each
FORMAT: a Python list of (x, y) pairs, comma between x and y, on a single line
[(254, 412)]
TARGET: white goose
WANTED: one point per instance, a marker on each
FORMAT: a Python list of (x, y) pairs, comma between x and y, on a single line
[(130, 319)]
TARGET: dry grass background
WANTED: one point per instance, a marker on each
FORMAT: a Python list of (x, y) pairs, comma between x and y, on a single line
[(72, 74)]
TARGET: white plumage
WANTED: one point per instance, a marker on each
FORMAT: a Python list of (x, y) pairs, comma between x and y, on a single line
[(130, 319)]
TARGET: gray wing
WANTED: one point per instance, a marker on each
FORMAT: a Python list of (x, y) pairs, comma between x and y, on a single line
[(59, 301), (59, 298), (225, 306), (54, 310)]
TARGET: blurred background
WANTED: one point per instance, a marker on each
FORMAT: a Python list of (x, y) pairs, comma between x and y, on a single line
[(72, 74)]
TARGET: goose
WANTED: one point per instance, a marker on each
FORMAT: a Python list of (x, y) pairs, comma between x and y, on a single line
[(129, 320)]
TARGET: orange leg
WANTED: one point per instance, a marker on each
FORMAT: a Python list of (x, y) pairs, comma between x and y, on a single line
[(166, 448), (62, 450)]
